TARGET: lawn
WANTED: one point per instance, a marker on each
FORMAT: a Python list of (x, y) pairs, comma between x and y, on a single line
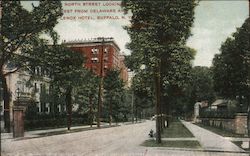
[(176, 144), (239, 143), (176, 130), (221, 132)]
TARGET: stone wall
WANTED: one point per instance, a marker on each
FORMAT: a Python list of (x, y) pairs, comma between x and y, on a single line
[(237, 125)]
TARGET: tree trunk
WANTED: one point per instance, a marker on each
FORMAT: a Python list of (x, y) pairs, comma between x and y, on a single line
[(157, 106), (132, 103), (136, 115), (248, 119), (69, 107), (6, 99), (90, 110), (110, 111)]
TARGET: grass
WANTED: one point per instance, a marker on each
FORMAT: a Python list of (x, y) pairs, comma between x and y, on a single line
[(176, 144), (176, 130), (239, 143), (221, 132)]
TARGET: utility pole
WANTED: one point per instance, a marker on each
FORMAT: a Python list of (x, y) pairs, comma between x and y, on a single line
[(132, 106), (248, 96), (100, 93), (101, 74)]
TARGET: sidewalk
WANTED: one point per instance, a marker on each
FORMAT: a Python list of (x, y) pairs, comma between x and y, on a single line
[(37, 133), (211, 141), (40, 133)]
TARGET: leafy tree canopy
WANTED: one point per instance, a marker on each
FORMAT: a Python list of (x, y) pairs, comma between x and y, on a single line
[(231, 67)]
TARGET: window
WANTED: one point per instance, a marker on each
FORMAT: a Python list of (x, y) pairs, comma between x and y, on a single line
[(106, 59), (35, 87), (94, 59), (95, 51), (47, 109), (106, 51)]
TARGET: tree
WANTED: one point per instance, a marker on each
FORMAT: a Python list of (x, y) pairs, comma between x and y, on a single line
[(66, 68), (19, 29), (231, 67), (113, 86), (201, 85), (157, 29), (88, 89), (142, 91)]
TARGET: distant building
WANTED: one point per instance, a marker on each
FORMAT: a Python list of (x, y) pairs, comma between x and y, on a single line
[(219, 104), (92, 51)]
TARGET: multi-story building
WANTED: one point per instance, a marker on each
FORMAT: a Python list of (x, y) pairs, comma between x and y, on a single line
[(95, 50), (91, 50), (28, 89)]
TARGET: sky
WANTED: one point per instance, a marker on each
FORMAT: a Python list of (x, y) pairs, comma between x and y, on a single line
[(214, 22)]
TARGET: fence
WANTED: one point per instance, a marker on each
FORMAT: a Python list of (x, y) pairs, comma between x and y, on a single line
[(230, 121)]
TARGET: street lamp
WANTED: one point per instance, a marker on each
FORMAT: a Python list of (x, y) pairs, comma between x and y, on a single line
[(240, 99), (18, 93)]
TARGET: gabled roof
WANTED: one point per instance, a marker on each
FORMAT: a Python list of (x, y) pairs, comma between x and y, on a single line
[(219, 102)]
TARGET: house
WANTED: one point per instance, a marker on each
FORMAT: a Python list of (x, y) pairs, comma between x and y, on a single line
[(219, 104)]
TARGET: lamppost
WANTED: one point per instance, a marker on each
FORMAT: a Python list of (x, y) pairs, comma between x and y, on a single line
[(18, 93), (132, 106), (240, 99), (18, 116)]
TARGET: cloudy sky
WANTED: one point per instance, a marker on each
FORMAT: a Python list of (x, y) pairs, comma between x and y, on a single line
[(214, 22)]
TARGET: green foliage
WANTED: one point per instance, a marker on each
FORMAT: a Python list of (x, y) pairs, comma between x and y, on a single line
[(158, 32), (201, 85), (114, 90), (156, 25), (176, 67), (43, 121), (20, 28), (231, 67), (86, 90)]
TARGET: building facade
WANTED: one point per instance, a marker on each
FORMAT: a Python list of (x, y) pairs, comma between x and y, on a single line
[(100, 53), (28, 89)]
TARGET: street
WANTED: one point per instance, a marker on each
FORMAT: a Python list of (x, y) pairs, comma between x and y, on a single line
[(122, 140)]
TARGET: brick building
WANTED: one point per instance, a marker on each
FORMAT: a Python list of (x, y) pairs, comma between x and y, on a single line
[(95, 49)]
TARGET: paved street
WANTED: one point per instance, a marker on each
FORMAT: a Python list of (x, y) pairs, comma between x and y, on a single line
[(123, 140)]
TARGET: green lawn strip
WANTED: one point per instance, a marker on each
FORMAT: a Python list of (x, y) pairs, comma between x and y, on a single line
[(176, 144), (221, 132), (239, 143), (176, 130)]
